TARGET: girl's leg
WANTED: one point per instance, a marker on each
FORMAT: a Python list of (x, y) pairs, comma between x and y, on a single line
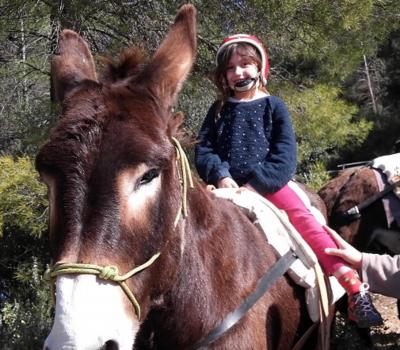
[(309, 228), (361, 309)]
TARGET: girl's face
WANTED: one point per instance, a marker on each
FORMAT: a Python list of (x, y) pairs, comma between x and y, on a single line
[(240, 67)]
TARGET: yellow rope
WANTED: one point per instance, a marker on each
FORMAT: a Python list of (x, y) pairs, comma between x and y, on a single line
[(107, 273), (185, 178)]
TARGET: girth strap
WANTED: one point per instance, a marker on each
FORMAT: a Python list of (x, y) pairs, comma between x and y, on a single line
[(267, 280)]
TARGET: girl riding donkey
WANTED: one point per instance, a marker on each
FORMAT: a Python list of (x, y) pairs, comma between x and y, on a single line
[(247, 140)]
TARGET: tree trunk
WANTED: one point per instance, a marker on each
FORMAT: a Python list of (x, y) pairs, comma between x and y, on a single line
[(371, 92)]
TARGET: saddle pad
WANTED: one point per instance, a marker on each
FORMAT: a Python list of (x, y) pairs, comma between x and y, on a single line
[(390, 166), (391, 202), (282, 236)]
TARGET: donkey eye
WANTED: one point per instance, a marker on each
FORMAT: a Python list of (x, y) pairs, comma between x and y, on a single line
[(148, 177)]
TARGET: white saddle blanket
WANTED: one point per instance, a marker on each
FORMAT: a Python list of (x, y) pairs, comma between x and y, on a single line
[(390, 166), (281, 234)]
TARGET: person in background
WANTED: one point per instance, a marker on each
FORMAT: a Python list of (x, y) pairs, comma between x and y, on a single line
[(381, 272), (247, 140)]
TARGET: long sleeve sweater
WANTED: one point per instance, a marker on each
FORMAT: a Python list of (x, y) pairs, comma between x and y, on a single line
[(382, 273), (252, 142)]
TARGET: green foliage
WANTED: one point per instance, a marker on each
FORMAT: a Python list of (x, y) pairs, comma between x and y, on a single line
[(26, 312), (24, 296), (383, 105), (22, 197), (323, 123), (24, 72), (323, 40), (316, 177)]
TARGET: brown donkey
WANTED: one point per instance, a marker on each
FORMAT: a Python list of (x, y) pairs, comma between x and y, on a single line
[(366, 227), (116, 199)]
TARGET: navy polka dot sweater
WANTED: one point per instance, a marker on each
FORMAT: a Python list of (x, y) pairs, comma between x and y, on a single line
[(252, 142)]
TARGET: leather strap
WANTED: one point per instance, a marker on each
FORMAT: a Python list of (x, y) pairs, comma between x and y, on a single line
[(354, 213), (268, 279)]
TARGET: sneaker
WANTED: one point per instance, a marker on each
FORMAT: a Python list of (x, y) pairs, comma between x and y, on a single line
[(361, 309)]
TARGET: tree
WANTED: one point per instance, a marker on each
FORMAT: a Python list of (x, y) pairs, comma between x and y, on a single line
[(324, 124), (23, 74), (24, 296), (385, 82), (310, 43)]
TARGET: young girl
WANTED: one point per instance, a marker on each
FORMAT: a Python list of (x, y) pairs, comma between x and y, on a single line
[(247, 140)]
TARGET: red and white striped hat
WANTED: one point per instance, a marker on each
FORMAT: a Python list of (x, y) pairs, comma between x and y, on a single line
[(254, 41)]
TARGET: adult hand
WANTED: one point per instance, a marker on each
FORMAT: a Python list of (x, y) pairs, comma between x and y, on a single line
[(345, 250), (227, 182)]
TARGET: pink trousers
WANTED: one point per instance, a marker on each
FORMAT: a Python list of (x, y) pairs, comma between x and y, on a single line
[(307, 225)]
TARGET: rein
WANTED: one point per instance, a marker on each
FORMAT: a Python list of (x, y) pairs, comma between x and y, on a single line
[(265, 282), (110, 273)]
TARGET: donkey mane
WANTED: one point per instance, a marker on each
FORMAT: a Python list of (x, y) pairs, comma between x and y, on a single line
[(129, 63)]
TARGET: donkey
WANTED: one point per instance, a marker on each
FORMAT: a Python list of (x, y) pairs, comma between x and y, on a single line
[(116, 200), (368, 230)]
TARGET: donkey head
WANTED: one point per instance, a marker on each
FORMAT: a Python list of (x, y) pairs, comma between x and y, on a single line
[(113, 185)]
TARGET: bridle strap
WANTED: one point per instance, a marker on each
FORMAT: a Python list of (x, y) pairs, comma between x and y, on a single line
[(107, 273), (266, 281), (358, 208), (354, 213)]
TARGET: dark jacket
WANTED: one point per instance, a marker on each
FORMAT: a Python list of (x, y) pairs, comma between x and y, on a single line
[(252, 142)]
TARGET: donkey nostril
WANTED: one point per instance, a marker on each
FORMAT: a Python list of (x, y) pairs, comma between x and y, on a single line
[(111, 345)]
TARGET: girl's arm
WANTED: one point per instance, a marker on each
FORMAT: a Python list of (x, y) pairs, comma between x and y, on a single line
[(279, 166), (208, 163)]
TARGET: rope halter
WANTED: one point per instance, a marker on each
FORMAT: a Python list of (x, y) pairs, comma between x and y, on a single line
[(110, 273), (106, 273)]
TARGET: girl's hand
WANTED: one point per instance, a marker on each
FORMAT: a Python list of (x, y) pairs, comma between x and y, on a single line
[(227, 182), (345, 251), (249, 187)]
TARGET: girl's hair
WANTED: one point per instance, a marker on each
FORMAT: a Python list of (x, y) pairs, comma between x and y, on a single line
[(243, 49)]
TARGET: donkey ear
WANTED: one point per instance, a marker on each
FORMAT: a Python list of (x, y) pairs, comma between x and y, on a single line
[(173, 60), (73, 64)]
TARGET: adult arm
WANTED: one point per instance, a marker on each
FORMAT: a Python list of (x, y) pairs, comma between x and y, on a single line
[(382, 273), (208, 163), (279, 166)]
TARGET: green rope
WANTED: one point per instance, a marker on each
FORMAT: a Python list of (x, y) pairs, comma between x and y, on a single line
[(185, 177), (107, 273)]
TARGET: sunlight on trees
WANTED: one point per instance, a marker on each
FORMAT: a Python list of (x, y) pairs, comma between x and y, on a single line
[(316, 51)]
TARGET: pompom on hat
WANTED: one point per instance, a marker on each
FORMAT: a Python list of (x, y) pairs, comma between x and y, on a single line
[(254, 41)]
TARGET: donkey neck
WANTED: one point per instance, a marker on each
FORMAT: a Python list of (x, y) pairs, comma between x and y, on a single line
[(223, 253)]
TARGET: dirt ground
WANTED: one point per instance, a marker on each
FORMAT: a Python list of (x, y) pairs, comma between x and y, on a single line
[(386, 337)]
